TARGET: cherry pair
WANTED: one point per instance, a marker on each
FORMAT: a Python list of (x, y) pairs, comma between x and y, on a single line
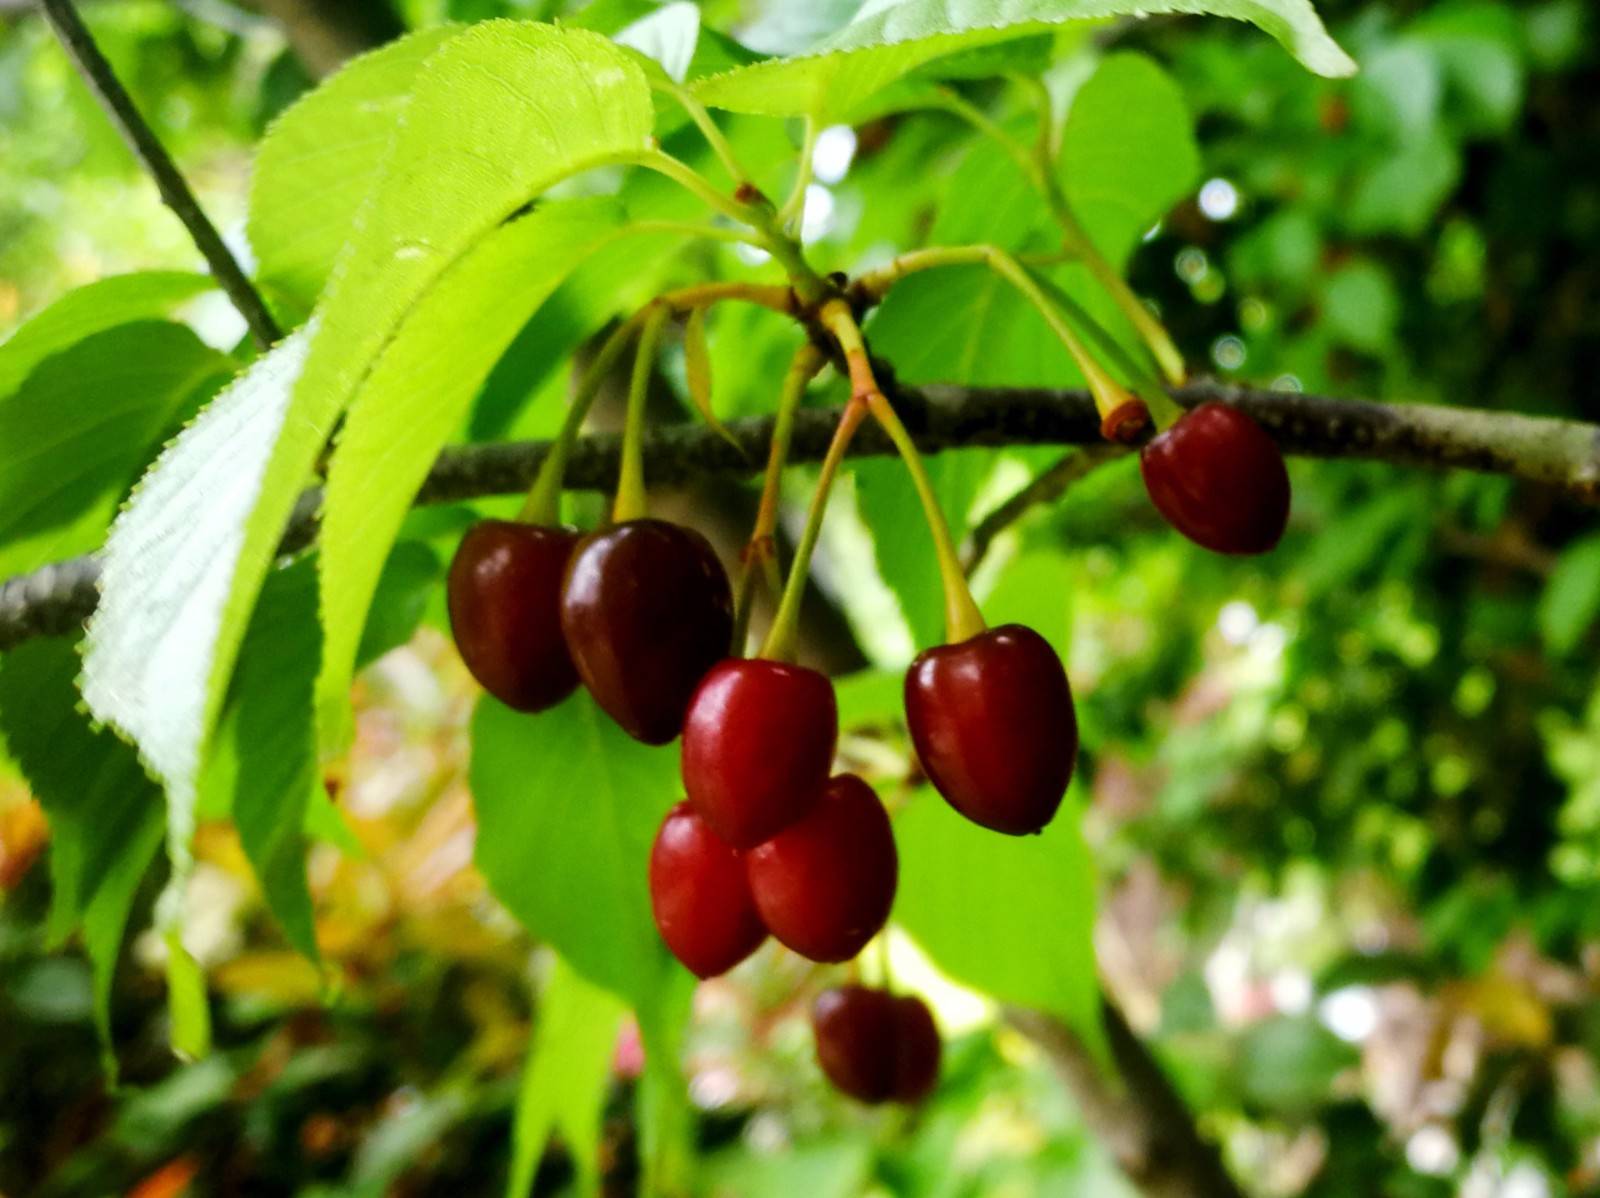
[(638, 611), (876, 1046), (823, 886)]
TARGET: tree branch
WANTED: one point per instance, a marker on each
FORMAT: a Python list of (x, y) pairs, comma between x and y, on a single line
[(102, 81), (1138, 1116), (1563, 454)]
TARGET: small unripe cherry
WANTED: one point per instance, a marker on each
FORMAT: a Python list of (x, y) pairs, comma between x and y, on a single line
[(758, 742), (700, 897), (876, 1046), (1219, 479), (824, 885), (992, 721), (504, 598), (646, 610)]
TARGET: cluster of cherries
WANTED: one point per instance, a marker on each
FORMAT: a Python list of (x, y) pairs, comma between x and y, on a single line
[(768, 841)]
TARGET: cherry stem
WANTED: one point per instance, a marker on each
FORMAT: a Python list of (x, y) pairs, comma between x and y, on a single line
[(761, 551), (962, 619), (780, 642), (794, 207), (543, 504), (1039, 167), (707, 126), (1109, 394), (630, 501)]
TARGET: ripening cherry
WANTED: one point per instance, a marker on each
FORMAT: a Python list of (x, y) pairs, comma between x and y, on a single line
[(504, 597), (757, 746), (992, 721), (646, 611), (700, 896), (876, 1046), (1219, 479), (824, 885)]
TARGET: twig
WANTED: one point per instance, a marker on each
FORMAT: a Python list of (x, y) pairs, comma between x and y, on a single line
[(102, 81), (1047, 486), (1563, 454)]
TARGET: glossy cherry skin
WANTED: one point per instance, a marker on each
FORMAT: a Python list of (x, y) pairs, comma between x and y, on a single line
[(504, 596), (824, 885), (876, 1046), (1219, 479), (646, 611), (992, 721), (700, 896), (757, 746)]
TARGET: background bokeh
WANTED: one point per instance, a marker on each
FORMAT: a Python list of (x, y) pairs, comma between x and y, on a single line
[(1344, 801)]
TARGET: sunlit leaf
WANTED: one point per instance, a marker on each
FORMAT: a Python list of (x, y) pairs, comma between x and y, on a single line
[(888, 40), (1011, 916)]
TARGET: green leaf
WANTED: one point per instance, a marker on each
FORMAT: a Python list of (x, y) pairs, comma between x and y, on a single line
[(1128, 152), (81, 424), (568, 806), (319, 161), (1011, 916), (1571, 598), (105, 813), (92, 309), (172, 607), (565, 1080), (263, 758), (888, 40), (415, 398)]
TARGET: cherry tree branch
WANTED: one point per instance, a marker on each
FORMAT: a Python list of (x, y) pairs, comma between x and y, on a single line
[(1138, 1116), (80, 46), (1563, 454)]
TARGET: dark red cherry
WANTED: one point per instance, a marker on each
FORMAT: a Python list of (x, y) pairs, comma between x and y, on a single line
[(646, 611), (992, 721), (824, 885), (876, 1046), (757, 746), (700, 896), (504, 596), (1219, 479)]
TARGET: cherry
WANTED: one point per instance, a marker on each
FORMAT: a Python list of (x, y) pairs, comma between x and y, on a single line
[(757, 746), (504, 596), (700, 896), (646, 610), (824, 885), (876, 1046), (1219, 479), (992, 721)]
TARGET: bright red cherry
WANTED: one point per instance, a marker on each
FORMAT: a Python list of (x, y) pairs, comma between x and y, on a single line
[(1219, 479), (824, 885), (876, 1046), (992, 721), (646, 610), (700, 896), (504, 596), (757, 746)]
